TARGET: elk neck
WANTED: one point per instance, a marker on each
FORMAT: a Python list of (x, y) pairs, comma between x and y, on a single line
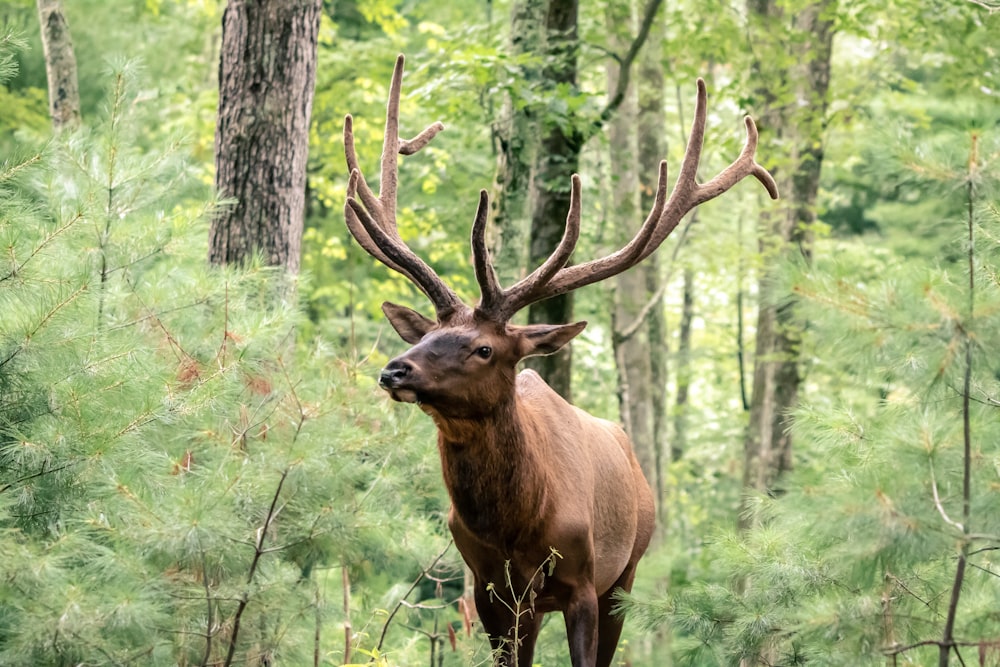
[(496, 480)]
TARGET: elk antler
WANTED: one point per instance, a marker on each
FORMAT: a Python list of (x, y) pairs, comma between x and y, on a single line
[(372, 221), (554, 278)]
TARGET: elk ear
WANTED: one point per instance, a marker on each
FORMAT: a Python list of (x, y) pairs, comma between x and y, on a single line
[(538, 339), (408, 323)]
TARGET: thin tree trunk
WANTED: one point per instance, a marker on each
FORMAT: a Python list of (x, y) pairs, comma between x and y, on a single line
[(637, 315), (557, 159), (267, 74), (652, 149), (60, 66), (784, 233), (345, 579), (679, 444), (632, 349)]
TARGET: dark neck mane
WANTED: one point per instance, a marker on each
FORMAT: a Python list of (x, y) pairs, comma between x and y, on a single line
[(493, 477)]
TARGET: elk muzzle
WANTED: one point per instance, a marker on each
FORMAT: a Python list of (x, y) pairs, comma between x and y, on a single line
[(395, 378)]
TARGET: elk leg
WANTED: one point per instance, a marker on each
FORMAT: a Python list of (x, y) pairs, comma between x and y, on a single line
[(609, 626), (581, 626)]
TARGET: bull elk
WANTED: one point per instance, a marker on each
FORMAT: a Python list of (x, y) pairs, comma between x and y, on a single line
[(527, 472)]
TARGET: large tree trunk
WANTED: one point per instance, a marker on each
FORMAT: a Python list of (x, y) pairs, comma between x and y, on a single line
[(557, 160), (515, 132), (60, 66), (266, 78), (786, 232)]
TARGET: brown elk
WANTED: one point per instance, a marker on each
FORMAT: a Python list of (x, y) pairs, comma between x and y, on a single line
[(527, 472)]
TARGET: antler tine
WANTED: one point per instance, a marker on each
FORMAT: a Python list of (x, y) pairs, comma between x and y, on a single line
[(546, 280), (357, 229), (390, 145), (367, 196), (489, 286), (662, 219), (444, 299), (734, 172), (373, 225), (523, 292)]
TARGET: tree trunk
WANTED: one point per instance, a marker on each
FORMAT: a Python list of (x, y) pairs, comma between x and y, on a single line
[(266, 78), (515, 132), (679, 444), (637, 303), (557, 160), (652, 149), (784, 233), (60, 66)]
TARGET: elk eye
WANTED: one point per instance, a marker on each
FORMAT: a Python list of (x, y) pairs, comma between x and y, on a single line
[(484, 352)]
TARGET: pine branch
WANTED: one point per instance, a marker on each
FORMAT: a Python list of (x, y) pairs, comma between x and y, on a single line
[(46, 241), (9, 170), (48, 316)]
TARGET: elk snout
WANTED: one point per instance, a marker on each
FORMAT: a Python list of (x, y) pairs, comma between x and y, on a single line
[(394, 379), (394, 373)]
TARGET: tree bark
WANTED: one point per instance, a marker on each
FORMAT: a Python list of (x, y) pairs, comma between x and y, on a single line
[(60, 66), (636, 309), (786, 232), (515, 133), (652, 149), (267, 74), (558, 158)]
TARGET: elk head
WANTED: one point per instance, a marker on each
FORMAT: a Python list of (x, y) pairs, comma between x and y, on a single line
[(464, 362)]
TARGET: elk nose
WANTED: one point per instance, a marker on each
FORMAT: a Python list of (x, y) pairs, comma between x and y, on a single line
[(394, 373)]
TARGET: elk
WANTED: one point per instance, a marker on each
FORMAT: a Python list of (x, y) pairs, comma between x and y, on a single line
[(527, 472)]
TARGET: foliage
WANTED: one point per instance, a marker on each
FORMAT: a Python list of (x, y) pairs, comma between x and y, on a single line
[(176, 472), (856, 560)]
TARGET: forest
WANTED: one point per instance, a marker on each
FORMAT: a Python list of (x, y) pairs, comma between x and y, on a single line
[(197, 463)]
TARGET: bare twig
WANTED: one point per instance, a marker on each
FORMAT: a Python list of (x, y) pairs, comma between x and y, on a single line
[(625, 62), (989, 5), (259, 551), (413, 586), (948, 638), (937, 499), (43, 471)]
